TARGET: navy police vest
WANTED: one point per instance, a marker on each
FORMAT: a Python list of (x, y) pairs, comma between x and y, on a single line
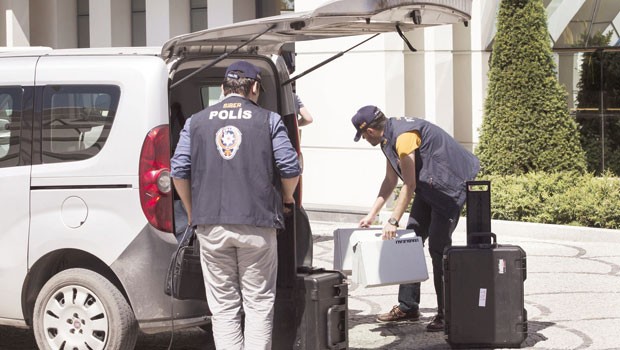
[(233, 176), (442, 164)]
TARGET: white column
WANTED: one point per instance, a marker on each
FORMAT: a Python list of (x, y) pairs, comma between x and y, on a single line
[(415, 75), (180, 18), (110, 23), (66, 24), (568, 75), (482, 26), (4, 6), (121, 22), (100, 15), (53, 23), (439, 94), (166, 19), (231, 11), (462, 84), (15, 23), (394, 83)]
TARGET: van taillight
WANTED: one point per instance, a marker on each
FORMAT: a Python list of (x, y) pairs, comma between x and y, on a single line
[(155, 182)]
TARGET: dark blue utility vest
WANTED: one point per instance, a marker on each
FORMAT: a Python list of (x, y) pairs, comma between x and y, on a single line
[(233, 174), (442, 164)]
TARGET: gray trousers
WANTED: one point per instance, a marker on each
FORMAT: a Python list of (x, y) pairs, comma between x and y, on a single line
[(240, 264)]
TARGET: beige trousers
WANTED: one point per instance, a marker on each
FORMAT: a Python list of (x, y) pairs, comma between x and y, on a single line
[(240, 264)]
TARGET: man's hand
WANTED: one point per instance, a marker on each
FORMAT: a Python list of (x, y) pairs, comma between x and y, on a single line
[(367, 221), (289, 205), (389, 231)]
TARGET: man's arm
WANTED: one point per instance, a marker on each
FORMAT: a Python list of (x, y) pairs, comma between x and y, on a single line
[(304, 113), (407, 168), (184, 190), (180, 169), (288, 189), (306, 117), (285, 157), (387, 186)]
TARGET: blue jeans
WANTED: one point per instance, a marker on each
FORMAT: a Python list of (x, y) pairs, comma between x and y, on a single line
[(428, 222)]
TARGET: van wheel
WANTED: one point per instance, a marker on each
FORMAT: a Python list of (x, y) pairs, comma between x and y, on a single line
[(80, 309)]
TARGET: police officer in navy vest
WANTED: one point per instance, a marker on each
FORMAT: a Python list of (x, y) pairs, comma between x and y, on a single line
[(235, 170), (434, 166)]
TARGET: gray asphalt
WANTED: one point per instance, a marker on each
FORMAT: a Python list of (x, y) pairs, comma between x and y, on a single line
[(572, 295)]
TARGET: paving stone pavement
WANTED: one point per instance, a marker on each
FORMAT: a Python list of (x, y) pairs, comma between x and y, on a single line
[(572, 295), (572, 290)]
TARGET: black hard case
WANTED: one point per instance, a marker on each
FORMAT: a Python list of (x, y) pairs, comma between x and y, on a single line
[(311, 308), (316, 318), (484, 296), (483, 282), (324, 323)]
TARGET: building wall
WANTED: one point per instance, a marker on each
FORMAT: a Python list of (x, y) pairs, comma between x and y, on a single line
[(444, 81), (435, 82), (15, 23)]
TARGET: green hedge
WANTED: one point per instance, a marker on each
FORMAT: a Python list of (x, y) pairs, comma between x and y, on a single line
[(559, 198)]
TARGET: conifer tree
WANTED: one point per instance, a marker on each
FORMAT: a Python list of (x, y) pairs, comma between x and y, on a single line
[(526, 125)]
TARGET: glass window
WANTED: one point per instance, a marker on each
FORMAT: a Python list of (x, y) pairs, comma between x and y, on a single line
[(83, 22), (76, 120), (138, 23), (82, 7), (594, 18), (287, 5), (138, 6), (10, 120), (210, 95), (198, 15), (597, 107)]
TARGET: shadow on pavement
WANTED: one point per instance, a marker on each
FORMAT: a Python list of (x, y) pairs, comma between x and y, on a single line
[(533, 332), (186, 339), (412, 335), (16, 339)]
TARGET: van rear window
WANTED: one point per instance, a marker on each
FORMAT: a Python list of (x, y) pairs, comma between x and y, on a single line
[(10, 120), (76, 120)]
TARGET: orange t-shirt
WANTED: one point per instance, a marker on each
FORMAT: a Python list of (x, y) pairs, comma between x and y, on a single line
[(407, 143)]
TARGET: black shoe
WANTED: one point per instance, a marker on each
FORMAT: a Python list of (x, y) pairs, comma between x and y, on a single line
[(436, 324), (396, 315)]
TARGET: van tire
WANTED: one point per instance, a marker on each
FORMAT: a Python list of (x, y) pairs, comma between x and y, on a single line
[(98, 310)]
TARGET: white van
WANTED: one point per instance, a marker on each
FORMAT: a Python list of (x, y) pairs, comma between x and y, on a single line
[(87, 206)]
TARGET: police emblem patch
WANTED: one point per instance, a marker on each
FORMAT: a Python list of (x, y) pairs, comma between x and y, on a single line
[(228, 140)]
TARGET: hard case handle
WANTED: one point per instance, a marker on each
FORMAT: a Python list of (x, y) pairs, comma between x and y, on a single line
[(341, 291), (478, 198), (342, 308), (491, 242)]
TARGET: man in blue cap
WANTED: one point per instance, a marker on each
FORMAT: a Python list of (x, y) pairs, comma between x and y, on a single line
[(434, 166), (235, 169)]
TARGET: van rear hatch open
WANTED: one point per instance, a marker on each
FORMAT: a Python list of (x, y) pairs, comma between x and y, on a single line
[(333, 19)]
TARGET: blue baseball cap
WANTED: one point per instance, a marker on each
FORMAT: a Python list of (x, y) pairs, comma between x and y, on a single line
[(243, 69), (363, 117)]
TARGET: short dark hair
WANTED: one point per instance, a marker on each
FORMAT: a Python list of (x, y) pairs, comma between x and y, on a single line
[(378, 123), (239, 86)]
